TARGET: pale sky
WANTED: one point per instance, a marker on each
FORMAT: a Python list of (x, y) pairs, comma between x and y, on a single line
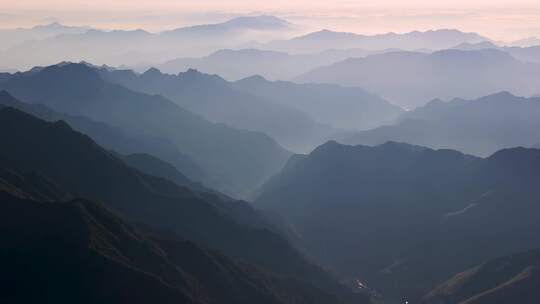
[(497, 19)]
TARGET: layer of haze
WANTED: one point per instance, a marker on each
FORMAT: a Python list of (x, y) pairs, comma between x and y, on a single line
[(498, 19)]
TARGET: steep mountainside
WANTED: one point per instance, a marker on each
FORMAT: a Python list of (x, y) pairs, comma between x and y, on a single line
[(411, 79), (73, 162), (391, 214), (237, 160), (78, 251), (114, 138), (215, 99), (510, 279), (340, 107), (480, 126)]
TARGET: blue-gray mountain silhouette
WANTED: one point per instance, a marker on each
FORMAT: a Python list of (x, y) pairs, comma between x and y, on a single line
[(237, 160), (480, 126), (388, 215)]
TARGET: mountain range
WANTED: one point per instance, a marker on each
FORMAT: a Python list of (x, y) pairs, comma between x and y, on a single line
[(13, 37), (411, 79), (235, 64), (402, 219), (526, 42), (321, 40), (248, 161), (237, 161), (132, 47), (70, 166), (251, 23), (333, 105), (479, 127), (218, 101), (526, 54), (265, 33), (299, 117), (113, 138)]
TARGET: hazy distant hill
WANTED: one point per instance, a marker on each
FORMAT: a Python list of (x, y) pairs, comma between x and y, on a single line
[(218, 101), (510, 279), (466, 46), (340, 107), (412, 79), (239, 24), (237, 160), (527, 42), (527, 54), (480, 126), (135, 47), (238, 64), (403, 218), (12, 37), (318, 41)]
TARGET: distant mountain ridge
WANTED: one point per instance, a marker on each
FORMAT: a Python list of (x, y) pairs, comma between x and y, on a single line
[(78, 89), (255, 23), (403, 218), (12, 37), (114, 138), (134, 47), (411, 79), (527, 42), (235, 64), (340, 107), (220, 102), (522, 53), (433, 39), (479, 127)]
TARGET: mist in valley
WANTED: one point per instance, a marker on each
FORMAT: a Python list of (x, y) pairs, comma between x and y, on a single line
[(281, 157)]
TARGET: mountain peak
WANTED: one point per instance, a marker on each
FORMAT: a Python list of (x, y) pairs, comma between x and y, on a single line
[(261, 23), (152, 72), (258, 22), (326, 34), (500, 97), (50, 26), (400, 146), (194, 74), (58, 27), (253, 79)]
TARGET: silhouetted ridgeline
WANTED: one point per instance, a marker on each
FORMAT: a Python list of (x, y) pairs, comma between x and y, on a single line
[(70, 165), (237, 161), (404, 218), (216, 99), (480, 127), (411, 79)]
